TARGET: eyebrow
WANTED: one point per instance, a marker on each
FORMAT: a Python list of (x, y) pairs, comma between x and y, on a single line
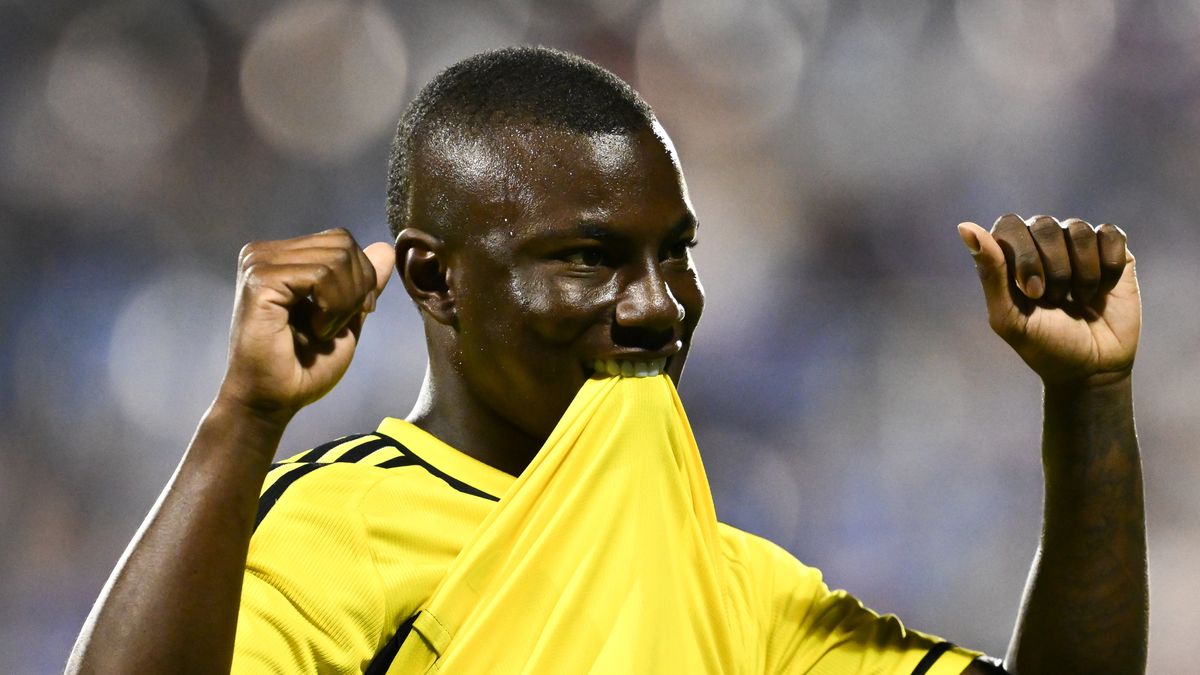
[(601, 231)]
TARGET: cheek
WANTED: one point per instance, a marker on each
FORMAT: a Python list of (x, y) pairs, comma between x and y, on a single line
[(558, 310)]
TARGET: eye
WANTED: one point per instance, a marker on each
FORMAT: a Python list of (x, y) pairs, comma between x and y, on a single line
[(679, 251), (586, 257)]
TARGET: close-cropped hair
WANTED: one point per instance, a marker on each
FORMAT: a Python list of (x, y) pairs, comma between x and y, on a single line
[(516, 87)]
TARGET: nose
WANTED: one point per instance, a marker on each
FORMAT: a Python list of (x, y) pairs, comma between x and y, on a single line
[(647, 315)]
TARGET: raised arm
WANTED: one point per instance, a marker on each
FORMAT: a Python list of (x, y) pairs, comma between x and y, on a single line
[(1065, 297), (171, 604)]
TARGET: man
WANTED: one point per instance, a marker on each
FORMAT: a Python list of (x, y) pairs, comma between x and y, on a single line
[(542, 227)]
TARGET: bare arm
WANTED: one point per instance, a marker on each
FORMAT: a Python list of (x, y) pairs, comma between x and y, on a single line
[(1086, 604), (171, 605), (1066, 299)]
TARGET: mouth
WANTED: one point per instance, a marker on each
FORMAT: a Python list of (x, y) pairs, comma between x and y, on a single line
[(627, 367)]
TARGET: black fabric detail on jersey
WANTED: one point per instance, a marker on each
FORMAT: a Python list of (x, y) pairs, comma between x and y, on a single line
[(935, 652), (316, 453), (450, 480), (395, 462), (383, 660), (358, 452), (274, 492), (309, 460)]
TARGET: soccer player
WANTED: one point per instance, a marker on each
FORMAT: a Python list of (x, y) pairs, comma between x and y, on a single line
[(543, 229)]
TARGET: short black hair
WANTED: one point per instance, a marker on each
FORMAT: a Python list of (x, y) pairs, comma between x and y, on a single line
[(511, 87)]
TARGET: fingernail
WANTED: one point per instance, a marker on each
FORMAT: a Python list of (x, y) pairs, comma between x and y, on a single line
[(969, 239), (1034, 287)]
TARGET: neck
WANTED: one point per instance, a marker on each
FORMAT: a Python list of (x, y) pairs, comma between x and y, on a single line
[(449, 413)]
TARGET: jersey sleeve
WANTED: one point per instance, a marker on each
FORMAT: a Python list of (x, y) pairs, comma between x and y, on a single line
[(811, 629), (312, 600)]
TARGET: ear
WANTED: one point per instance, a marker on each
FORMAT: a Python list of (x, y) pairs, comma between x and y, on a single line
[(421, 260)]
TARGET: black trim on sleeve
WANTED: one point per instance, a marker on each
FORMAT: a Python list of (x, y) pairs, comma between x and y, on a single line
[(935, 652), (450, 480), (383, 660), (360, 451), (309, 463), (274, 492), (317, 452)]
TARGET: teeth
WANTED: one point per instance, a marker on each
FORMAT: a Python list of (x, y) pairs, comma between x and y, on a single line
[(629, 368)]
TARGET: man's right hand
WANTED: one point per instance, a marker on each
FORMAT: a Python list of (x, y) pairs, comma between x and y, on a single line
[(300, 307)]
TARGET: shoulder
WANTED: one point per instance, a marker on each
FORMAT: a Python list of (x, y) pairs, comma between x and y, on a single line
[(765, 579), (804, 625), (344, 475), (350, 538), (759, 555)]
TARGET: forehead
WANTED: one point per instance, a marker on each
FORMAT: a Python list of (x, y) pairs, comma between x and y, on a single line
[(533, 179)]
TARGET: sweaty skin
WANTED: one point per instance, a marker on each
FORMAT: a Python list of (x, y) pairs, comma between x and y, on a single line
[(531, 256), (1066, 298), (588, 259)]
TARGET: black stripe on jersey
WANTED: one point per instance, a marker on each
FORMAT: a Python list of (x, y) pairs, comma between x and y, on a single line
[(383, 660), (274, 492), (935, 652), (317, 452), (450, 480), (358, 452)]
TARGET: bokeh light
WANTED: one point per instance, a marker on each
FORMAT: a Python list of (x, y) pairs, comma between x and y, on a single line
[(1037, 45), (738, 66), (127, 77), (167, 351), (452, 30), (322, 79)]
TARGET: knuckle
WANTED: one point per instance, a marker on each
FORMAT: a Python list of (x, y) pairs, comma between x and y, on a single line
[(341, 234), (250, 258), (252, 278), (1008, 223), (1081, 232), (247, 253), (1046, 229)]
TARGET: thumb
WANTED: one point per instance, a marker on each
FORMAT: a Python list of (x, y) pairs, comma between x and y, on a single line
[(991, 266), (383, 258)]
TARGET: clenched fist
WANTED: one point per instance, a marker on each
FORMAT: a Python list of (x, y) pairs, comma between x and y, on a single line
[(1063, 295), (300, 306)]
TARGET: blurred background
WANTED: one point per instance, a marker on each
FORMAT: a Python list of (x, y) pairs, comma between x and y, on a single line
[(849, 397)]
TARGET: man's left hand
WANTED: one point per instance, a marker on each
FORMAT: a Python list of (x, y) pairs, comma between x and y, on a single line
[(1063, 295)]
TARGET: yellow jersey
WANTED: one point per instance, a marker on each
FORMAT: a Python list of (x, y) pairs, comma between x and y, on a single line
[(392, 552)]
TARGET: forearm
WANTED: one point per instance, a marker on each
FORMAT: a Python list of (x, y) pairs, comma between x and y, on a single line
[(1086, 603), (171, 604)]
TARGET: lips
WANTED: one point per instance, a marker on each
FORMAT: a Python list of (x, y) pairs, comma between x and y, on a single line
[(629, 367)]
